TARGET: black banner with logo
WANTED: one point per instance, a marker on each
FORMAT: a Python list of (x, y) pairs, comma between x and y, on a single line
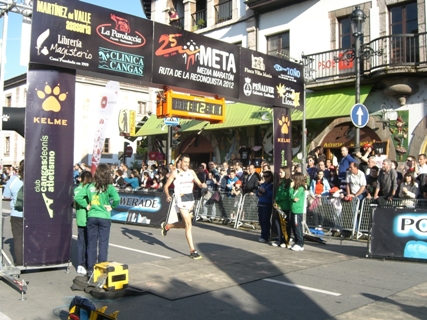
[(77, 35), (270, 81), (48, 179), (195, 62), (282, 139), (399, 233), (145, 208)]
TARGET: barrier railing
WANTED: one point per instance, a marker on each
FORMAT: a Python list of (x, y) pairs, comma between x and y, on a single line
[(225, 210), (334, 213)]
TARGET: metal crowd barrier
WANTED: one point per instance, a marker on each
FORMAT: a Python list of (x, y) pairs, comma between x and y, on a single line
[(364, 223), (248, 214), (334, 214), (225, 210)]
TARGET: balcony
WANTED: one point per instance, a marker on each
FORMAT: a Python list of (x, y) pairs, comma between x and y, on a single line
[(403, 51), (223, 12), (199, 19), (178, 23)]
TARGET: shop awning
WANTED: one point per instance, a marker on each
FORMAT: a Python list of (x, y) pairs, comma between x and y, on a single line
[(331, 103), (237, 115)]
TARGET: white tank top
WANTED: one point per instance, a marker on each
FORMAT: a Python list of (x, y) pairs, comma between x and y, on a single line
[(184, 182)]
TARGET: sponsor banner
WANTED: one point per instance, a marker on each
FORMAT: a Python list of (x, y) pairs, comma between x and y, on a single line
[(399, 233), (146, 208), (282, 137), (195, 62), (77, 35), (48, 182), (106, 108), (270, 81)]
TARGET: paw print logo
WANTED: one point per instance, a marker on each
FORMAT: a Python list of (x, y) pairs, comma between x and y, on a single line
[(52, 98), (284, 123)]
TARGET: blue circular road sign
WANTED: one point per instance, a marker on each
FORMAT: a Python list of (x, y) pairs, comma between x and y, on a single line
[(359, 115)]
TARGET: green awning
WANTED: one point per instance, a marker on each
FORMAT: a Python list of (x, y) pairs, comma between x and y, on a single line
[(237, 115), (331, 103)]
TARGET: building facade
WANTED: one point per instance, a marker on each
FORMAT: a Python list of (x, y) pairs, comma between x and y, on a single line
[(318, 34)]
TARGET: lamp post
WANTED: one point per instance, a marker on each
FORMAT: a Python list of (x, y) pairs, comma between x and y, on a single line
[(357, 18)]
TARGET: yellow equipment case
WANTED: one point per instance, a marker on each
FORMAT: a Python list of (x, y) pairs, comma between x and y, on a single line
[(111, 275)]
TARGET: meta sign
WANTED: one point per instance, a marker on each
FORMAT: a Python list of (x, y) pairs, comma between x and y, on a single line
[(191, 107), (77, 35)]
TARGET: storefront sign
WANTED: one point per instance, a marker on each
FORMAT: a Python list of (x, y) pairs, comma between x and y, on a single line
[(195, 62), (77, 35), (270, 81)]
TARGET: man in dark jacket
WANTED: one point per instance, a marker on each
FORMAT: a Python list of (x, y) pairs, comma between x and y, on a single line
[(251, 181)]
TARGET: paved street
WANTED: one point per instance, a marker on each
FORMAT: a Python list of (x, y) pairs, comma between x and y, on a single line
[(237, 277)]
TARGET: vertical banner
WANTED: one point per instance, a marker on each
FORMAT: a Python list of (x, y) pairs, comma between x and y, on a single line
[(48, 179), (281, 139), (106, 107)]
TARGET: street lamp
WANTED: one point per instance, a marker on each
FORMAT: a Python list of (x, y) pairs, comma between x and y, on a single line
[(357, 19), (358, 51)]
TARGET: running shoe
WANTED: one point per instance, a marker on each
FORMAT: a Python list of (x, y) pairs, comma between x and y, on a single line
[(81, 270), (284, 245), (262, 240), (274, 243), (297, 247), (164, 230), (195, 255)]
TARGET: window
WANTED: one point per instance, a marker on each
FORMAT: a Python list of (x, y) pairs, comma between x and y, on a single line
[(106, 148), (278, 45), (6, 145), (142, 107), (346, 37), (8, 101), (223, 10), (199, 17), (404, 22)]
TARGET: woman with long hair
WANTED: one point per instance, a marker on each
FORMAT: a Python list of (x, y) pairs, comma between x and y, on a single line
[(283, 203), (81, 220), (99, 198), (409, 187), (297, 194)]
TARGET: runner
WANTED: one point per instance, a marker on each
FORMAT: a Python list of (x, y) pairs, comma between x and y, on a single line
[(184, 182)]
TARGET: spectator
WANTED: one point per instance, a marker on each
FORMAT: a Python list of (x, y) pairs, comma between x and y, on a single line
[(76, 174), (99, 198), (356, 182), (11, 190), (297, 195), (201, 175), (319, 187), (322, 167), (223, 177), (364, 165), (239, 170), (283, 202), (81, 219), (333, 177), (146, 181), (213, 169), (344, 163), (317, 154), (133, 181), (126, 171), (118, 180), (265, 206), (155, 184), (387, 182), (251, 181), (226, 167), (411, 166), (371, 182), (206, 171), (328, 163), (409, 188), (422, 165), (399, 176), (232, 179), (372, 162), (311, 168)]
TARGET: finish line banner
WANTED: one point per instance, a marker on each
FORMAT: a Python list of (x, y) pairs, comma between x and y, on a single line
[(48, 179), (399, 233)]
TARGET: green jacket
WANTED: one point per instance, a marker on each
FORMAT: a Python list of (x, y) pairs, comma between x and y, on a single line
[(298, 206), (81, 212), (283, 196), (98, 200)]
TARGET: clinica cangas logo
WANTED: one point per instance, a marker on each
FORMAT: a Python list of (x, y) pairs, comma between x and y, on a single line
[(119, 32)]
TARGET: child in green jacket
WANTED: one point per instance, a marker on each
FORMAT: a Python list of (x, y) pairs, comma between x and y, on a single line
[(283, 203), (81, 219), (297, 195), (99, 198)]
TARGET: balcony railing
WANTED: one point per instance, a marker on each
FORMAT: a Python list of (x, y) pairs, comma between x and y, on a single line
[(199, 19), (223, 11), (179, 23), (397, 50)]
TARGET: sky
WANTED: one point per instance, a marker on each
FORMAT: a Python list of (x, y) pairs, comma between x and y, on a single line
[(13, 44)]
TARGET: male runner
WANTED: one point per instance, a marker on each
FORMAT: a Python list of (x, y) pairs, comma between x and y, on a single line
[(183, 180)]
